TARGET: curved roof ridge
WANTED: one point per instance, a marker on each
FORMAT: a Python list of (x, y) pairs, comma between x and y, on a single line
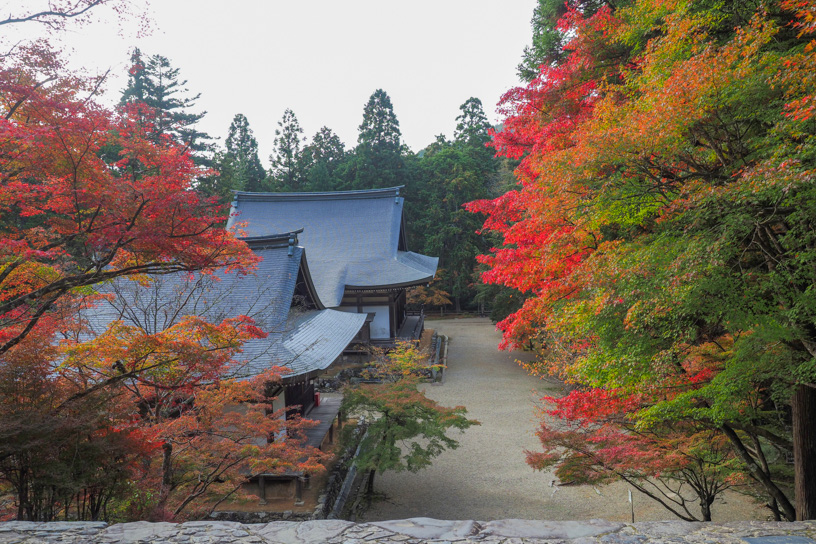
[(272, 241), (388, 192)]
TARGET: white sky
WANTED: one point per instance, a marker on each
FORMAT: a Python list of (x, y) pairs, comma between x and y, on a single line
[(324, 58)]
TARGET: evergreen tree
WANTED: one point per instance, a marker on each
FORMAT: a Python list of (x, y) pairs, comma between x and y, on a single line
[(238, 165), (380, 127), (378, 158), (155, 83), (472, 136), (287, 160), (242, 154), (472, 125), (453, 173), (322, 158)]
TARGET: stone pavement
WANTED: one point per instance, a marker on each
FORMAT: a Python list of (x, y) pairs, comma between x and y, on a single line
[(411, 531)]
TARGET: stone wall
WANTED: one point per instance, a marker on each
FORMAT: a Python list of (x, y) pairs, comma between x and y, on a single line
[(410, 531)]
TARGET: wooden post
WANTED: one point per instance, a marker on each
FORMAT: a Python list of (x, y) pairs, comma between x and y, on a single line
[(632, 505), (262, 489), (298, 492)]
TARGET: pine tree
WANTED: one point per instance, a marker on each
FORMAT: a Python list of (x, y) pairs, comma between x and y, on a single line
[(287, 160), (155, 83)]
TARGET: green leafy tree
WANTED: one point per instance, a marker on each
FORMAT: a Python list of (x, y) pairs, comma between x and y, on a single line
[(287, 161), (472, 126), (242, 151), (407, 430)]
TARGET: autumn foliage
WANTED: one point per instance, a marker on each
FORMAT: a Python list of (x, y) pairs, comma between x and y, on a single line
[(662, 227), (126, 422)]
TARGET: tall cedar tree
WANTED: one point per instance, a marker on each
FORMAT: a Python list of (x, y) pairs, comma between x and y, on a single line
[(237, 167), (242, 152), (453, 173), (322, 159), (663, 226), (287, 161), (378, 158)]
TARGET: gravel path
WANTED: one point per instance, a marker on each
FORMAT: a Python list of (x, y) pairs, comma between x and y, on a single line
[(486, 477)]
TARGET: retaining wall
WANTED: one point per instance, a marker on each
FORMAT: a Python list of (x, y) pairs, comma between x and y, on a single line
[(411, 531)]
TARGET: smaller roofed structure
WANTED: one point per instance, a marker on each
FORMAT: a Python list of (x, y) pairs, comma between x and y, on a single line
[(303, 335), (356, 244)]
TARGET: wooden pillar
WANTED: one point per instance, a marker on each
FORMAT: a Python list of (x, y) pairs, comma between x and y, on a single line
[(392, 315), (298, 492), (262, 489)]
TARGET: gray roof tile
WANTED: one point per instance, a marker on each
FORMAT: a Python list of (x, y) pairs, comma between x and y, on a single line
[(302, 340), (352, 237)]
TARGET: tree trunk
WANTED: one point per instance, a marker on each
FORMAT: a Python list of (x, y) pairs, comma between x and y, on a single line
[(760, 475), (804, 451), (457, 305), (167, 466), (167, 480), (370, 484), (705, 509)]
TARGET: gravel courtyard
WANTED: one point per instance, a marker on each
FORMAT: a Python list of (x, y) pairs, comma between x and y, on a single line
[(486, 478)]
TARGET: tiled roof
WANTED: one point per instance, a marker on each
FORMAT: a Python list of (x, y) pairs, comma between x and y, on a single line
[(353, 238), (302, 339), (311, 341)]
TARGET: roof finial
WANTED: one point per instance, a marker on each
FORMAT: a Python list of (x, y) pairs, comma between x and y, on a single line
[(396, 198), (292, 242)]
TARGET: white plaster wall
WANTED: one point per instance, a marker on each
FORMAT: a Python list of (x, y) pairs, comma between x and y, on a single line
[(380, 327)]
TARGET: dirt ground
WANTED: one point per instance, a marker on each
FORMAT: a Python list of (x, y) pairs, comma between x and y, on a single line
[(486, 478)]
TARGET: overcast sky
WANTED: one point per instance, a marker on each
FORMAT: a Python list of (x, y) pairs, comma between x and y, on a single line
[(324, 58)]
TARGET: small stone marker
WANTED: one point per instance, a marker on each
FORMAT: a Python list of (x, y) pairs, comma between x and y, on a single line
[(779, 540)]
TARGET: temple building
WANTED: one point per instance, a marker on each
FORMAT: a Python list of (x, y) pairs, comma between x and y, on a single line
[(358, 257), (303, 335)]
